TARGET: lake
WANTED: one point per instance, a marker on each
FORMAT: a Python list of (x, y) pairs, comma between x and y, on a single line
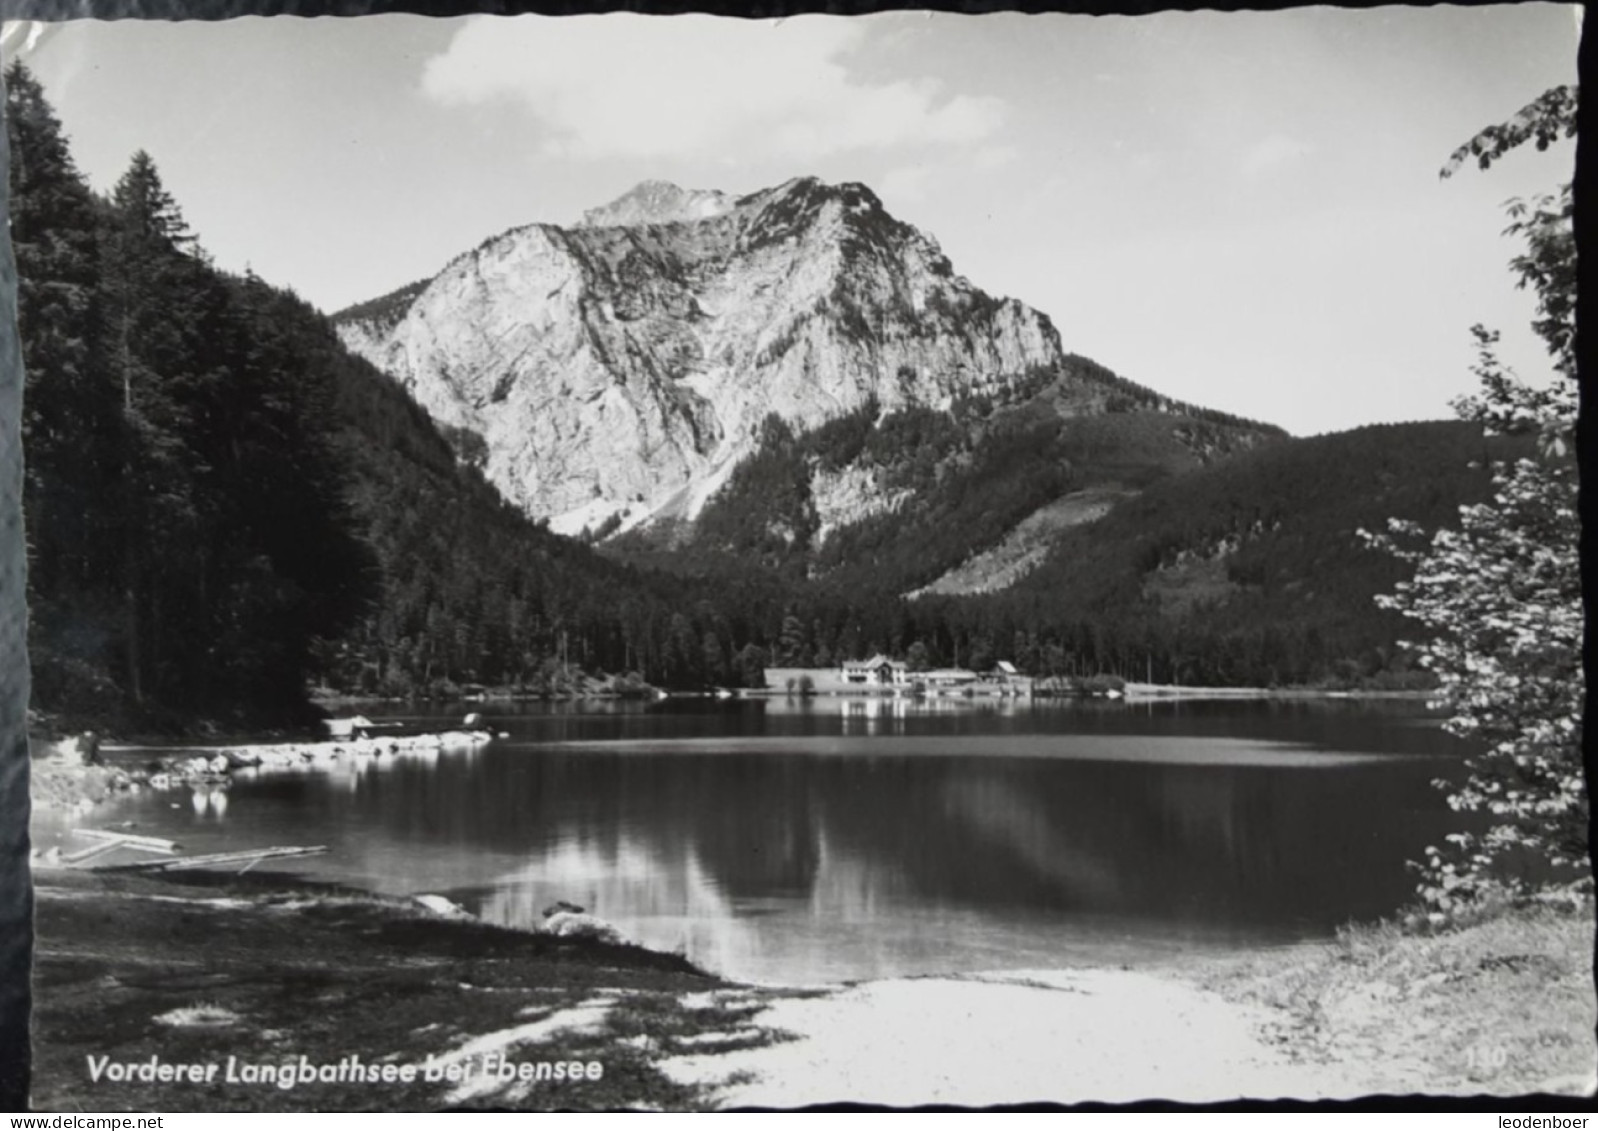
[(802, 841)]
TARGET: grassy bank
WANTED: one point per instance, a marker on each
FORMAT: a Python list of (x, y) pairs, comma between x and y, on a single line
[(1503, 1006), (267, 971)]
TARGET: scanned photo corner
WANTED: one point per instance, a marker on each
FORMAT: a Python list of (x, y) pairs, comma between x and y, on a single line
[(620, 563)]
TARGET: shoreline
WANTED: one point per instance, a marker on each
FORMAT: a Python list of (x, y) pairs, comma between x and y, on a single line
[(270, 969), (270, 748), (244, 754), (63, 780), (49, 731), (1129, 691), (1180, 691)]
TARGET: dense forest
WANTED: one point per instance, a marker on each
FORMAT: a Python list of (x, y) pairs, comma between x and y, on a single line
[(1250, 571), (189, 533), (226, 509)]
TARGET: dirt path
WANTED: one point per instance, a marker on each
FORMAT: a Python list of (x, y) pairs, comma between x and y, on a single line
[(1017, 1037)]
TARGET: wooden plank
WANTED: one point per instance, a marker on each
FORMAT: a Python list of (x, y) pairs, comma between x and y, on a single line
[(130, 840), (108, 846), (249, 857), (90, 853)]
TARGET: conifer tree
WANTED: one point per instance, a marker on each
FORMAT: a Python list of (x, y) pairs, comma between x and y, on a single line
[(71, 431), (154, 334), (69, 435)]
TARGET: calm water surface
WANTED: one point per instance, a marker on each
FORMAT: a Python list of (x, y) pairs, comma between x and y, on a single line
[(838, 839)]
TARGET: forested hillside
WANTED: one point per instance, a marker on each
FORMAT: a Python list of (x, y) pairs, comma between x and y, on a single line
[(1250, 571), (888, 501)]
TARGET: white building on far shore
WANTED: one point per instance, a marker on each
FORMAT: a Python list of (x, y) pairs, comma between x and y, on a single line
[(878, 671)]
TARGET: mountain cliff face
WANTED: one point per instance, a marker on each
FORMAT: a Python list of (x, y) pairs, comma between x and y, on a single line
[(617, 371)]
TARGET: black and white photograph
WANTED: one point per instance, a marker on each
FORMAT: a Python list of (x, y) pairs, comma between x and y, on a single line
[(687, 562)]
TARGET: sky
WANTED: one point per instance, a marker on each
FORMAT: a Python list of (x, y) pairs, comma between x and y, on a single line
[(1241, 210)]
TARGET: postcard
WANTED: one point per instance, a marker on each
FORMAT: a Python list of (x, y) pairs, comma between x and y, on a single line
[(644, 562)]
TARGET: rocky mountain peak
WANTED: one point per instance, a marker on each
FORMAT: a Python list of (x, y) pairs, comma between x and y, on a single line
[(617, 371), (657, 202)]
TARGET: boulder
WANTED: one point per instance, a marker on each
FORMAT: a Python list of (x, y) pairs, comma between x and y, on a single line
[(576, 925), (443, 908)]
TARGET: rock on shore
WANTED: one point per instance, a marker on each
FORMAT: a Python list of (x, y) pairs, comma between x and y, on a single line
[(62, 780)]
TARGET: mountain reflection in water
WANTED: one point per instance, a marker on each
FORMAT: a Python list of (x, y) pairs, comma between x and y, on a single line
[(858, 838)]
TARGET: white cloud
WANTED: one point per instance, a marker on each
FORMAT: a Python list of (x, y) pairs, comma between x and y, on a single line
[(1271, 153), (625, 85), (994, 156)]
